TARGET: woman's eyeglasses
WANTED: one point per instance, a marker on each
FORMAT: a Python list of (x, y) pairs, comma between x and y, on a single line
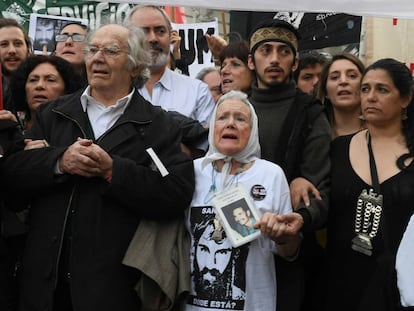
[(76, 37)]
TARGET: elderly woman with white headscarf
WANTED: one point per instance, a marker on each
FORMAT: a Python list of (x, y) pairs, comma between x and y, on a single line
[(243, 277)]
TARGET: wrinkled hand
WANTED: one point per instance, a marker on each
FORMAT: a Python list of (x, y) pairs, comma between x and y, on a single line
[(175, 40), (293, 223), (86, 159), (277, 228), (270, 225), (35, 144), (300, 189), (7, 115), (216, 44)]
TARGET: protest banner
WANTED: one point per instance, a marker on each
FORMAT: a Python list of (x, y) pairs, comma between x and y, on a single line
[(194, 49)]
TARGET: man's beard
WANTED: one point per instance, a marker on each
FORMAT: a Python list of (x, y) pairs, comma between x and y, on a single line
[(217, 289), (272, 83), (158, 59)]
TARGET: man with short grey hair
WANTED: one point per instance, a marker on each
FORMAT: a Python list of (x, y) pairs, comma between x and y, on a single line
[(211, 76), (111, 159), (166, 88)]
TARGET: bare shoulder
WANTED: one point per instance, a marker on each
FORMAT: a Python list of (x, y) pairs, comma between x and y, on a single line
[(358, 155)]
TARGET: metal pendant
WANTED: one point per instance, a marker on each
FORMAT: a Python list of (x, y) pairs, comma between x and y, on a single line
[(362, 243), (367, 221)]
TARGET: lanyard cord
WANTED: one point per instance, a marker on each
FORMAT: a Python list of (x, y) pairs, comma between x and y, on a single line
[(372, 166)]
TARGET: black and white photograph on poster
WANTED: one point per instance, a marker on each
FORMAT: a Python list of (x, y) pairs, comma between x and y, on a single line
[(44, 28), (237, 214), (217, 269)]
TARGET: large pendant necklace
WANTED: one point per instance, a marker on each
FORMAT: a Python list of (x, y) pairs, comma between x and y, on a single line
[(368, 210), (367, 220)]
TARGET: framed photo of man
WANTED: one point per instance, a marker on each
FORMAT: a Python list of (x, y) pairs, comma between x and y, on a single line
[(44, 28), (237, 214)]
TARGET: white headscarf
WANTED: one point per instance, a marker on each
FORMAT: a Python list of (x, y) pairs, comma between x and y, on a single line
[(248, 154)]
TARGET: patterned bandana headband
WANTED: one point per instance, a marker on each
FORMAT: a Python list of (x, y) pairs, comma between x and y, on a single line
[(274, 34)]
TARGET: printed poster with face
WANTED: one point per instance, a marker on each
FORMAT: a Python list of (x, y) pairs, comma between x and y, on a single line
[(218, 270), (44, 28)]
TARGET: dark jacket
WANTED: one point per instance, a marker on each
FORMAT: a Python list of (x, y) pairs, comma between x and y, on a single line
[(105, 214), (305, 141), (8, 132), (302, 148)]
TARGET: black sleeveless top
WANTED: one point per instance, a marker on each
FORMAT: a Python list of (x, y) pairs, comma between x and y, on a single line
[(356, 281)]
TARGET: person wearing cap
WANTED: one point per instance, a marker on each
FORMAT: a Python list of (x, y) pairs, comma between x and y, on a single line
[(295, 134)]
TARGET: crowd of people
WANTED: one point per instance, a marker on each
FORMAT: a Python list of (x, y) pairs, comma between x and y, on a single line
[(114, 168)]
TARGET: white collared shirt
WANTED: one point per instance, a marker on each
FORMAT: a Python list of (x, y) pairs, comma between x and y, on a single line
[(100, 116), (188, 96)]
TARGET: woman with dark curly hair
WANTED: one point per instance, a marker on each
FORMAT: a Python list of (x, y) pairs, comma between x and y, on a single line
[(40, 79), (37, 80)]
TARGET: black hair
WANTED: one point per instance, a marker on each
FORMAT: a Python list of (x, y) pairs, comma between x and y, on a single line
[(403, 81), (19, 78), (309, 60), (238, 49), (83, 26)]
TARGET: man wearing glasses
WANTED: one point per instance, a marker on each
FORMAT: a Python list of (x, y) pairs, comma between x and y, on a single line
[(113, 159)]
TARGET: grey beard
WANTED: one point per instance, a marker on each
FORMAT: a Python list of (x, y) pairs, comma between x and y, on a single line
[(159, 61)]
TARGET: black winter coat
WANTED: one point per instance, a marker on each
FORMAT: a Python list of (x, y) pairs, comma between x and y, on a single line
[(105, 214)]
